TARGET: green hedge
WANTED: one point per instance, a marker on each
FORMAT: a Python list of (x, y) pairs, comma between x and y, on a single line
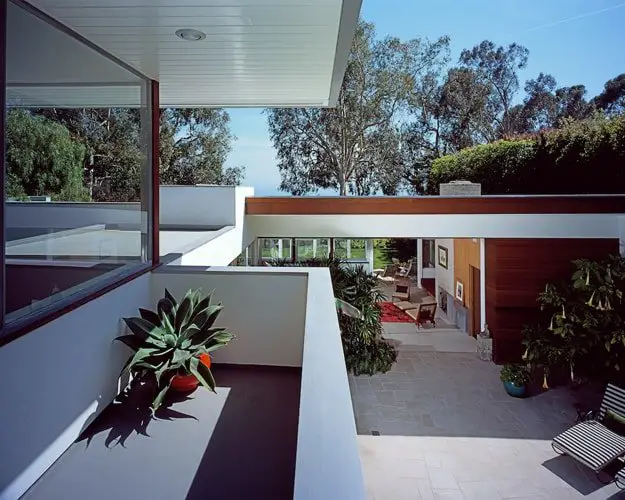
[(583, 157)]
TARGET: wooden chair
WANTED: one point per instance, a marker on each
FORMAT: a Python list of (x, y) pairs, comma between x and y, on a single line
[(402, 292), (404, 272), (423, 313), (389, 274)]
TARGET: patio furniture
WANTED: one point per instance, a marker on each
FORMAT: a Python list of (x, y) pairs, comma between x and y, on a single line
[(388, 276), (404, 305), (404, 272), (619, 479), (424, 313), (402, 292), (592, 442)]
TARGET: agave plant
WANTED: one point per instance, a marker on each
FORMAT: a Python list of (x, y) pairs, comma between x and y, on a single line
[(170, 340)]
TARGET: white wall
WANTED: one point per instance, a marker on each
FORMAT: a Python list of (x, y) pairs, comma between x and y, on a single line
[(70, 215), (222, 250), (198, 205), (56, 379), (264, 309), (445, 277), (437, 226), (328, 459)]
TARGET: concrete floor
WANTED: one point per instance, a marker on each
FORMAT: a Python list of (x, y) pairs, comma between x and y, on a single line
[(448, 430)]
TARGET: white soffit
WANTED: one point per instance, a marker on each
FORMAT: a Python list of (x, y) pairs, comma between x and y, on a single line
[(261, 53)]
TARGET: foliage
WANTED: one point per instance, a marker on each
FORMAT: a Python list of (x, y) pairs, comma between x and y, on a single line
[(612, 99), (582, 157), (194, 146), (355, 147), (42, 159), (583, 322), (518, 374), (366, 352), (170, 340)]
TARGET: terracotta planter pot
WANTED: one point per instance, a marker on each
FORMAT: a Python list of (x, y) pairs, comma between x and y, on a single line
[(185, 383)]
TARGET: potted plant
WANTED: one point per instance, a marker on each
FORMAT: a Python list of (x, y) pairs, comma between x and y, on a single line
[(172, 345), (515, 378)]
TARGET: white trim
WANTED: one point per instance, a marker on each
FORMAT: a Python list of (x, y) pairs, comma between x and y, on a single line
[(482, 282), (347, 30)]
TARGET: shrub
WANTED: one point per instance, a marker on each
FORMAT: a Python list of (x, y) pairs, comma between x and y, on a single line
[(583, 323), (586, 156)]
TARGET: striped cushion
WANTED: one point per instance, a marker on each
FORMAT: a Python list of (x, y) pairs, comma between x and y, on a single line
[(591, 443), (620, 478), (614, 398)]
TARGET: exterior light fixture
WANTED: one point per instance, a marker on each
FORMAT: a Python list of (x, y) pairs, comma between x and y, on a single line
[(190, 35)]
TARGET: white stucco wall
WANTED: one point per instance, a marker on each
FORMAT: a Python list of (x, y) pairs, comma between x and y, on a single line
[(445, 277), (57, 379), (437, 226), (198, 205), (265, 310)]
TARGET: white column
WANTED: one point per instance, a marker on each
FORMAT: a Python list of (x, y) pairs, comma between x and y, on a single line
[(483, 282), (314, 247), (348, 248), (419, 262), (280, 248), (369, 253)]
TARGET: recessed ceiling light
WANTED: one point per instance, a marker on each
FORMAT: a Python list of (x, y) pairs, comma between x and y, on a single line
[(190, 35)]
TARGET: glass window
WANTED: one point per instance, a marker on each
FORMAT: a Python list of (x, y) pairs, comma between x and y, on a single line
[(77, 166), (429, 253), (275, 248)]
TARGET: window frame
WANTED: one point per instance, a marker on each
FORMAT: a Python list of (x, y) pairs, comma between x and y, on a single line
[(30, 322)]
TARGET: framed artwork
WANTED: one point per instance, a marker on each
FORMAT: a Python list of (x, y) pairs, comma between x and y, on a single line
[(460, 291), (442, 256)]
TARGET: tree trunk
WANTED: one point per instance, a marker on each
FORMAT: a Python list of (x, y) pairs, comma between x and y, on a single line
[(342, 186)]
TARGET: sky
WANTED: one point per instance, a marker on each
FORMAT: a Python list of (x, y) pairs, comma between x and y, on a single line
[(576, 41)]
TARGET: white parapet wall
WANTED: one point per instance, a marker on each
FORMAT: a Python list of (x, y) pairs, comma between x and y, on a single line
[(437, 226), (206, 206), (287, 317)]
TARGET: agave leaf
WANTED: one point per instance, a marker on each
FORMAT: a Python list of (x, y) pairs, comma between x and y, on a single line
[(183, 311), (140, 327), (150, 316), (167, 325), (158, 400), (202, 373), (202, 337), (143, 354), (131, 341), (198, 316), (160, 371), (212, 312), (165, 308), (187, 334), (171, 298), (180, 356)]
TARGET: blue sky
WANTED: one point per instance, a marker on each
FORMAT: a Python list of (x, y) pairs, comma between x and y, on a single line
[(577, 41)]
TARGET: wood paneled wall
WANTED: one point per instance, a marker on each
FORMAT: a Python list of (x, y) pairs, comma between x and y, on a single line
[(320, 205), (466, 254), (516, 271)]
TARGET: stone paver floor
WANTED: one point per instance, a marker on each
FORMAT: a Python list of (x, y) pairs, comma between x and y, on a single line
[(448, 429)]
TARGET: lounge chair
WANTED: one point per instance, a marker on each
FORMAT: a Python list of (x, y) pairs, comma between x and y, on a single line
[(619, 479), (592, 443), (404, 272), (402, 292), (423, 313), (388, 276)]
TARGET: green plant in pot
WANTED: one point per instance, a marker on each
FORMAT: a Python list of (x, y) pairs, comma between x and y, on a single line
[(515, 378), (172, 345)]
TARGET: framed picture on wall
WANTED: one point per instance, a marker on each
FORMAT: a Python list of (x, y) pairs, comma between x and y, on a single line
[(442, 256), (460, 291)]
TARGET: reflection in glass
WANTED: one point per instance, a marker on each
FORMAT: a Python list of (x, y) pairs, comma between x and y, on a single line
[(77, 166)]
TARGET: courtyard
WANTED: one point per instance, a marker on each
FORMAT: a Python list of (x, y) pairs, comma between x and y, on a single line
[(440, 425)]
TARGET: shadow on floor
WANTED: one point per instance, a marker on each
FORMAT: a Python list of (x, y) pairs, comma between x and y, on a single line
[(582, 479), (252, 450)]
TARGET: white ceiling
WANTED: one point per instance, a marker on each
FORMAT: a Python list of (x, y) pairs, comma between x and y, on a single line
[(256, 52)]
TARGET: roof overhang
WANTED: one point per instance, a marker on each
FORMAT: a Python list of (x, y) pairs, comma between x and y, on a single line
[(259, 53)]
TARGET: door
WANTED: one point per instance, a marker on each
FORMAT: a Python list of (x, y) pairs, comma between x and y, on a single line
[(476, 318)]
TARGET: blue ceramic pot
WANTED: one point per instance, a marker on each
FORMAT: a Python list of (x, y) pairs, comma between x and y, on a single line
[(515, 391)]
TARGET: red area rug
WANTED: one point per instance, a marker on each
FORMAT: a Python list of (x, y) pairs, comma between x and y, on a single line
[(391, 314)]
